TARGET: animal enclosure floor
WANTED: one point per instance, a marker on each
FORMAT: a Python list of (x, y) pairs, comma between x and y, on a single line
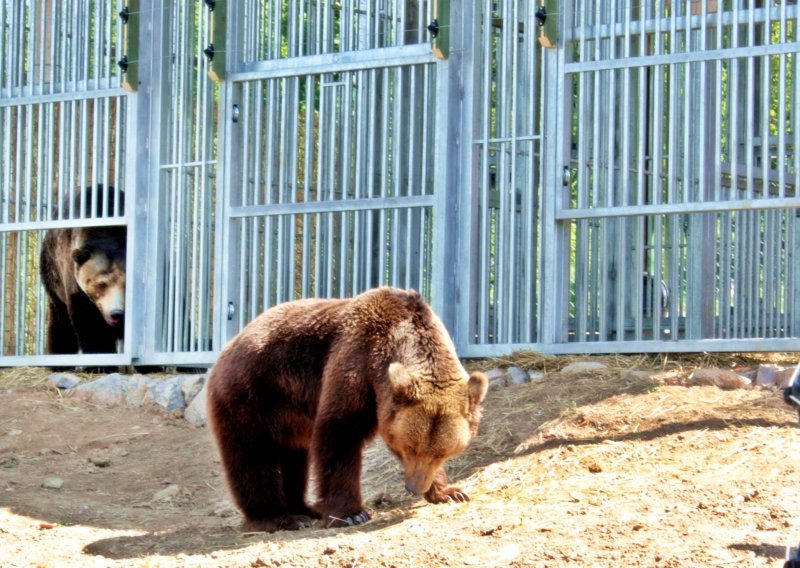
[(581, 472)]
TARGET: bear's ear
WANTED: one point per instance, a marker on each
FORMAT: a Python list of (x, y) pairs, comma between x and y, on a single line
[(81, 255), (478, 385), (404, 384)]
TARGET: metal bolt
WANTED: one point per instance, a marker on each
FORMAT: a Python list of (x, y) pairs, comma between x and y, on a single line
[(235, 113), (541, 16), (231, 310), (567, 178), (433, 28)]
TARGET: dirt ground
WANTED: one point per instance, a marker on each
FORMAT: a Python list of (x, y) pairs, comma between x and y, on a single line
[(615, 469)]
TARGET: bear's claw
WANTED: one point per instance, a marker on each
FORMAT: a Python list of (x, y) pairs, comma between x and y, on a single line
[(337, 522), (295, 522), (447, 495), (283, 523)]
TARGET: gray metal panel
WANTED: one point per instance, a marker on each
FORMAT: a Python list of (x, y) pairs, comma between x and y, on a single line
[(699, 206), (64, 125), (181, 313), (502, 223), (331, 191)]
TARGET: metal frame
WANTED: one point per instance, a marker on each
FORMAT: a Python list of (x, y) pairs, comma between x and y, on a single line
[(667, 193), (65, 124), (540, 197)]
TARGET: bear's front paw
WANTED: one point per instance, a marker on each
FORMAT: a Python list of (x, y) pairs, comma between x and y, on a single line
[(281, 523), (445, 495), (295, 522), (333, 521)]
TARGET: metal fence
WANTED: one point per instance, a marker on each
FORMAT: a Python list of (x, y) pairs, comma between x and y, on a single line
[(63, 126), (684, 149), (330, 122), (631, 189)]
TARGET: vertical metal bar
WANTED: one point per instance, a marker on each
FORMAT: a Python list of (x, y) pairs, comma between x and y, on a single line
[(582, 226), (41, 188), (247, 237), (28, 173), (687, 135), (726, 282), (85, 49), (18, 165), (781, 151), (360, 78), (751, 104), (258, 225), (21, 270), (48, 175), (4, 72), (372, 144), (310, 135), (484, 187), (83, 151), (386, 82), (765, 97), (289, 178), (529, 224), (733, 105), (31, 55), (717, 111), (501, 177), (512, 258), (597, 282)]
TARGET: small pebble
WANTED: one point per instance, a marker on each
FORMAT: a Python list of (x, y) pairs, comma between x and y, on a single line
[(52, 482)]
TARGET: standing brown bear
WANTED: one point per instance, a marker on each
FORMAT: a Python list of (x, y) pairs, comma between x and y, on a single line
[(83, 273), (314, 380)]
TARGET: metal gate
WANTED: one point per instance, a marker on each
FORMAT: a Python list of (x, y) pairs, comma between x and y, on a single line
[(65, 124), (330, 147), (632, 187), (682, 212), (502, 232)]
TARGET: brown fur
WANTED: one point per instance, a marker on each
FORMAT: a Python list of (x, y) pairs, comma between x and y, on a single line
[(83, 273), (314, 380)]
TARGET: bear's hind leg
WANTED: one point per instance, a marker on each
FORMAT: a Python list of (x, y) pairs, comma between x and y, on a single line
[(276, 502), (295, 476), (254, 478)]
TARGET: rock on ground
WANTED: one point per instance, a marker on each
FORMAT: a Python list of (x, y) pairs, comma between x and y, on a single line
[(195, 413), (63, 381), (721, 378), (114, 389), (167, 394)]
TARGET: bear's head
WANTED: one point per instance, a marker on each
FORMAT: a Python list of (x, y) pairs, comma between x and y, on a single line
[(98, 258), (430, 422)]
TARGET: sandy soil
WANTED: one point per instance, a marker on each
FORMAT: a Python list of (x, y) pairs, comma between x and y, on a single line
[(587, 471)]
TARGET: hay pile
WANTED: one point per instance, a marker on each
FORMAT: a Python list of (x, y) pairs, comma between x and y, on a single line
[(15, 377)]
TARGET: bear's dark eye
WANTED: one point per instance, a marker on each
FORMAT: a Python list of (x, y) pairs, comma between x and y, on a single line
[(81, 255), (102, 285)]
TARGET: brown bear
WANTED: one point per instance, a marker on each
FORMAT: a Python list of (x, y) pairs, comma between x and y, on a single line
[(311, 381), (83, 273)]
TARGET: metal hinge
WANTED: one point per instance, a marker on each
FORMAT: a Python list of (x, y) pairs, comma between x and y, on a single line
[(214, 51), (129, 62), (548, 23)]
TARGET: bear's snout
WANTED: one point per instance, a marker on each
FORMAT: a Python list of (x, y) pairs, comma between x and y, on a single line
[(413, 488), (418, 483), (116, 317)]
